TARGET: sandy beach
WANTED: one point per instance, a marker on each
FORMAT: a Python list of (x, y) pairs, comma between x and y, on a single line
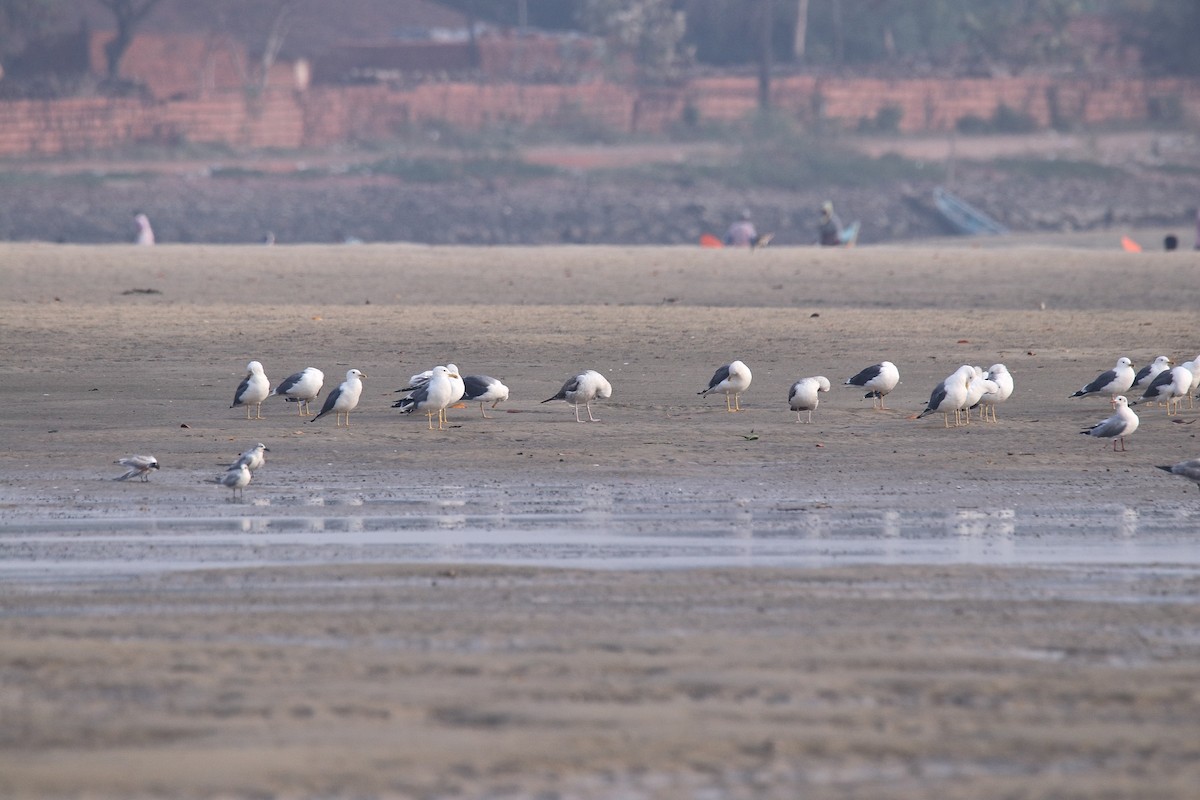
[(672, 602)]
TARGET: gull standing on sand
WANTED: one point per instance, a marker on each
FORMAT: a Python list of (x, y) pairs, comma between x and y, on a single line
[(1000, 376), (1115, 381), (137, 465), (483, 388), (1170, 386), (236, 478), (1146, 374), (253, 389), (145, 234), (301, 388), (458, 389), (977, 387), (1189, 469), (950, 395), (584, 388), (252, 458), (344, 398), (432, 395), (1121, 424), (879, 380), (731, 379), (803, 395)]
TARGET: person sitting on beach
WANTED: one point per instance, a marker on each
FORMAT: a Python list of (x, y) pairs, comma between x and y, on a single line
[(829, 230), (742, 233)]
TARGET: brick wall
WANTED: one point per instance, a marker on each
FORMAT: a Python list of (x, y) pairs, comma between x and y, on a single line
[(285, 118)]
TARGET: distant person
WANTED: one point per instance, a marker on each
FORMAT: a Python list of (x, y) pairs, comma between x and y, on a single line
[(1170, 242), (145, 234), (830, 232), (741, 233)]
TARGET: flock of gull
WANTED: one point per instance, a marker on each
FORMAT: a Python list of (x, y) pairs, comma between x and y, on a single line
[(968, 388)]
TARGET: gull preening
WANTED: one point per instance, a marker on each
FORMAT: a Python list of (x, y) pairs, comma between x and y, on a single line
[(432, 395), (731, 379), (1122, 423), (1115, 381), (236, 478), (998, 387), (879, 380), (584, 388), (1189, 469), (344, 398), (421, 379), (803, 395), (301, 388), (253, 458), (483, 389), (253, 389), (978, 386), (950, 395), (137, 466)]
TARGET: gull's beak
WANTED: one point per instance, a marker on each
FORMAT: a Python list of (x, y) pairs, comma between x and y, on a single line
[(453, 375)]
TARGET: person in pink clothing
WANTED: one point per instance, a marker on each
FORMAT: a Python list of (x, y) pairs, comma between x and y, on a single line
[(741, 233)]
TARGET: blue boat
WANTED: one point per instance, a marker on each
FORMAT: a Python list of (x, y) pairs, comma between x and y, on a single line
[(964, 217)]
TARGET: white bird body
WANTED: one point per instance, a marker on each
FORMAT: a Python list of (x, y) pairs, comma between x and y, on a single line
[(137, 465), (1148, 373), (730, 380), (236, 478), (344, 398), (999, 375), (253, 458), (803, 396), (1170, 387), (1122, 423), (253, 389), (301, 387), (950, 395), (1115, 381), (145, 234), (483, 389), (584, 388), (879, 380), (433, 395)]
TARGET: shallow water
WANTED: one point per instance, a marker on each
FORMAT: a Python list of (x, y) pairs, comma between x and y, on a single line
[(594, 528)]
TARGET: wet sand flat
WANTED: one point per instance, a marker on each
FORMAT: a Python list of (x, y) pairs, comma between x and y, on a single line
[(144, 655)]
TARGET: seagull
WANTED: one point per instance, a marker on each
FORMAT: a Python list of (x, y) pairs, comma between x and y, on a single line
[(236, 478), (1115, 381), (432, 395), (950, 395), (977, 387), (302, 388), (145, 234), (1149, 372), (252, 458), (584, 388), (732, 379), (1194, 367), (344, 398), (1189, 469), (137, 465), (482, 388), (253, 389), (1121, 424), (999, 375), (879, 380), (1169, 386), (415, 382), (803, 394)]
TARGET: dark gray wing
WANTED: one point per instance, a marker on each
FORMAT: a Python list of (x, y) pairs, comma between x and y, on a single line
[(570, 386), (288, 383), (409, 404), (721, 374), (1160, 380), (1142, 374), (476, 386), (936, 399), (329, 401), (1102, 380), (864, 377), (241, 390)]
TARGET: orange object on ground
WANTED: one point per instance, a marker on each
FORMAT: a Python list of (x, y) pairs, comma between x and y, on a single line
[(1129, 245), (708, 240)]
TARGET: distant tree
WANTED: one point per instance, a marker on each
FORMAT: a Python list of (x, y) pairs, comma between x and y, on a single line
[(128, 15), (1166, 32), (652, 30)]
